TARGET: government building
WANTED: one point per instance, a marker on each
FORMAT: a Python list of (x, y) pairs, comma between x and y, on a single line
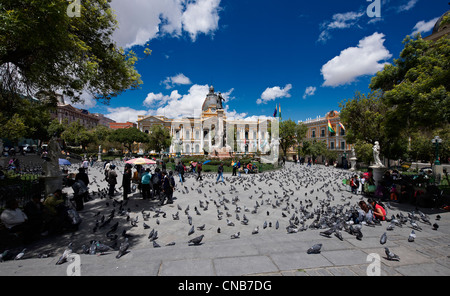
[(335, 139), (210, 132)]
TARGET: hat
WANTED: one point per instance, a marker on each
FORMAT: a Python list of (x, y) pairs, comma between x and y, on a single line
[(112, 166)]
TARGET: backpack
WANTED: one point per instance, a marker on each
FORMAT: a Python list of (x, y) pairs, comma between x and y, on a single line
[(155, 179)]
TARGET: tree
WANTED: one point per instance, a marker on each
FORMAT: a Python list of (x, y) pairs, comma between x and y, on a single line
[(314, 148), (288, 133), (128, 136), (43, 49), (365, 118), (77, 135), (416, 88), (159, 139), (300, 135), (364, 152), (56, 129), (13, 129)]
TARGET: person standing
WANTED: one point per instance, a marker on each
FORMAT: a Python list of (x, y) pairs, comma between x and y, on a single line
[(220, 173), (126, 183), (168, 185), (112, 180), (180, 170), (199, 171), (234, 164), (145, 183)]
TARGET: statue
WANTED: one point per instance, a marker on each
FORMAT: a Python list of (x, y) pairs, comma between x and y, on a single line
[(376, 154), (51, 165), (53, 174), (220, 99)]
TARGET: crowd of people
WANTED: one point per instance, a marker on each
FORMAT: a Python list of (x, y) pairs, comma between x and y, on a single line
[(39, 218)]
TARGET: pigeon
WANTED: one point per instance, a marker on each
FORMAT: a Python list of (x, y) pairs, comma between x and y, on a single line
[(391, 256), (230, 223), (123, 249), (327, 233), (435, 226), (256, 230), (236, 235), (265, 225), (315, 249), (201, 227), (196, 240), (277, 225), (65, 255), (20, 255), (171, 244), (146, 226), (156, 245), (191, 231), (390, 227), (415, 226), (411, 236), (383, 239), (338, 234)]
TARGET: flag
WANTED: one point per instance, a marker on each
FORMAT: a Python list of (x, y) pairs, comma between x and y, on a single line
[(275, 112), (279, 111), (330, 128), (342, 126)]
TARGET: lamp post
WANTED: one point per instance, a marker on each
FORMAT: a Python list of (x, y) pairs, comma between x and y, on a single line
[(436, 141)]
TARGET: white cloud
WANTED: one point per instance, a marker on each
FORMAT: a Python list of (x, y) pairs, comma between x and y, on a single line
[(160, 99), (339, 21), (201, 16), (179, 79), (354, 62), (309, 91), (423, 26), (408, 6), (178, 106), (273, 93), (142, 20), (124, 114)]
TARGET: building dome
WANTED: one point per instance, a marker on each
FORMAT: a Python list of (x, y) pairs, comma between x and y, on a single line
[(437, 27), (211, 100)]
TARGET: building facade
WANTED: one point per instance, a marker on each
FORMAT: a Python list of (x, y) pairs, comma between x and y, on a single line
[(210, 132), (71, 114), (119, 125), (335, 141)]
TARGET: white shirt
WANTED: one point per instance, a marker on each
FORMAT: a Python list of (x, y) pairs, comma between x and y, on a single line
[(12, 218)]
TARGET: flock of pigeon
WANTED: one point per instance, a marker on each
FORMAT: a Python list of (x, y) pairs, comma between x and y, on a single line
[(291, 200)]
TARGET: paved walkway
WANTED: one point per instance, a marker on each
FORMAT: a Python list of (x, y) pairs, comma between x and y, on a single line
[(265, 198)]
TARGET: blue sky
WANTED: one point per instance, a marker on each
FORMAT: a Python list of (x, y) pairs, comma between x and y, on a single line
[(306, 56)]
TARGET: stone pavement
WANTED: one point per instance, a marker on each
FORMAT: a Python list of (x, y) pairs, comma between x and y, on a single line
[(270, 252)]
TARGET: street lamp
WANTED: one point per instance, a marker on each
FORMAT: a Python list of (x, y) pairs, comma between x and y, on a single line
[(436, 141)]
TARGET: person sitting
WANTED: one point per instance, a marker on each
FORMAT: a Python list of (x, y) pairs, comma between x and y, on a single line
[(378, 211), (16, 221), (35, 211), (57, 212)]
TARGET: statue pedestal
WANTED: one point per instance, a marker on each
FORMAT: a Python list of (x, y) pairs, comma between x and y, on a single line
[(378, 172), (353, 163), (52, 184)]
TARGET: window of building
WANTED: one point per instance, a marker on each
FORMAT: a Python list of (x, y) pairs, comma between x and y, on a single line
[(332, 145), (313, 133), (322, 132), (343, 145)]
